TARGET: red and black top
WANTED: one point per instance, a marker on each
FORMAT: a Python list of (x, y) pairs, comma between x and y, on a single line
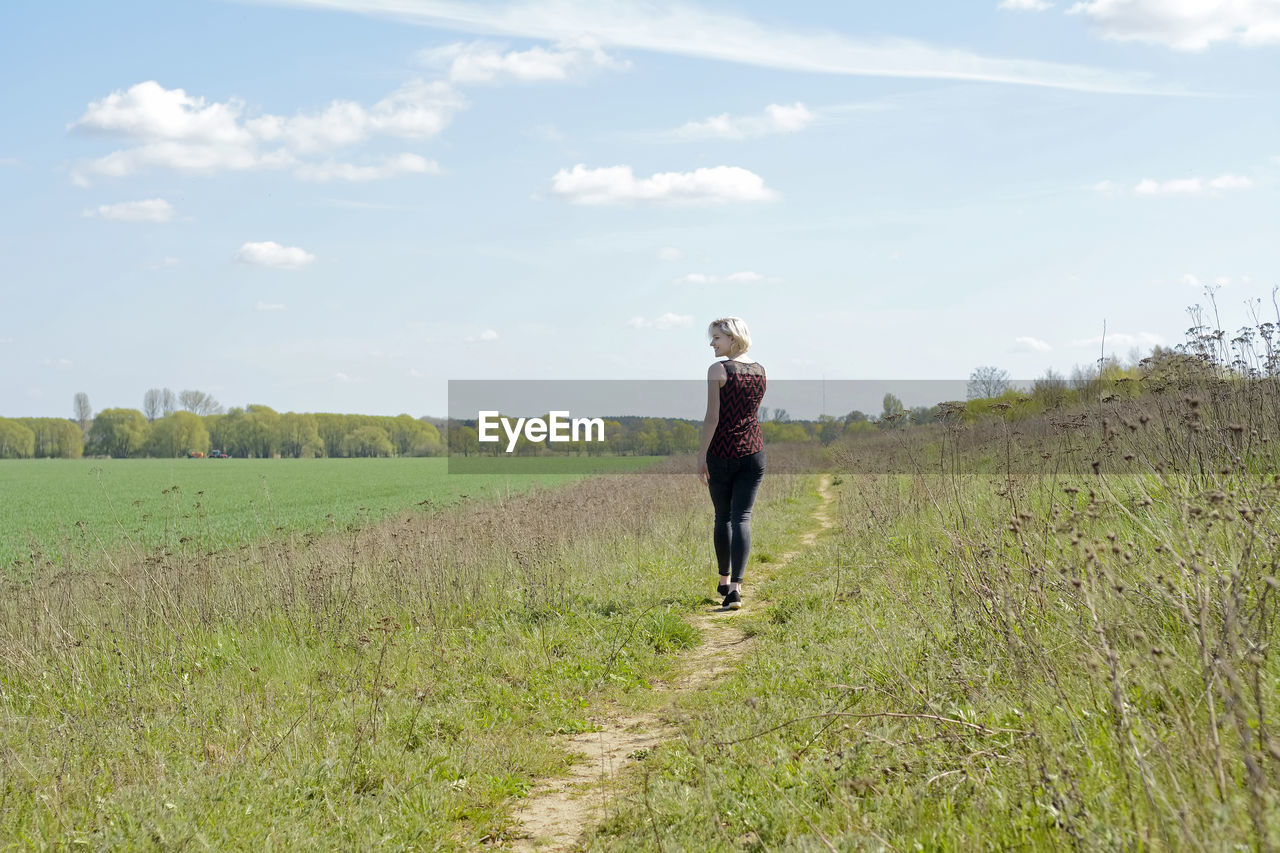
[(738, 431)]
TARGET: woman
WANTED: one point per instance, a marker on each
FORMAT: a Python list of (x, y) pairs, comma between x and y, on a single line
[(731, 459)]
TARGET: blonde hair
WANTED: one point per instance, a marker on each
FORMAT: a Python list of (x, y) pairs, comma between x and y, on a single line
[(736, 329)]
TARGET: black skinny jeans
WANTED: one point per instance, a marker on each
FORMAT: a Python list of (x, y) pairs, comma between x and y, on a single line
[(733, 484)]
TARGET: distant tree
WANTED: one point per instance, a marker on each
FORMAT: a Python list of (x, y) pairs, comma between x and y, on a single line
[(83, 412), (780, 416), (152, 404), (987, 382), (855, 417), (463, 439), (1050, 389), (199, 402), (56, 438), (777, 432), (177, 435), (263, 431), (16, 440), (892, 410), (923, 414), (119, 432), (367, 441), (829, 428), (299, 437), (413, 437), (168, 402)]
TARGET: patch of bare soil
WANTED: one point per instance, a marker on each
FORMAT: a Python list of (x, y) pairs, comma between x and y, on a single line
[(557, 812)]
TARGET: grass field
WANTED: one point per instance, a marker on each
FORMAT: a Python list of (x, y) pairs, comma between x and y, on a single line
[(58, 511)]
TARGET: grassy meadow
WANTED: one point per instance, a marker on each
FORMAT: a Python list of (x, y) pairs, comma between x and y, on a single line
[(1074, 653), (1074, 657), (64, 512), (390, 684)]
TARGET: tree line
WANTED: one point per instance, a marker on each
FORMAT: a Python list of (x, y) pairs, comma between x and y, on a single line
[(192, 422)]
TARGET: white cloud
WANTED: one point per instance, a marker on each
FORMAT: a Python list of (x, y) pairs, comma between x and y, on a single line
[(666, 321), (151, 210), (402, 164), (1193, 186), (684, 29), (670, 253), (339, 376), (482, 63), (1025, 5), (486, 335), (1026, 343), (174, 130), (57, 363), (775, 119), (272, 254), (6, 340), (165, 264), (10, 161), (744, 277), (1117, 340), (1195, 281), (616, 184), (1191, 25), (1105, 187), (269, 306)]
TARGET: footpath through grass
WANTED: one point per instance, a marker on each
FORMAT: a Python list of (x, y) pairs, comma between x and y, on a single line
[(995, 663), (395, 685)]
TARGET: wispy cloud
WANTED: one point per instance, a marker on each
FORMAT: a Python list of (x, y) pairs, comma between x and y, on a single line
[(1189, 26), (1191, 280), (775, 118), (187, 133), (666, 321), (272, 254), (1193, 186), (484, 337), (1025, 5), (687, 30), (745, 277), (1026, 343), (151, 210), (670, 253), (481, 63), (618, 184), (388, 167), (1177, 186)]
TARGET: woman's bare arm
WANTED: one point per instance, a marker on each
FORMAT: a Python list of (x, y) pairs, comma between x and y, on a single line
[(716, 376)]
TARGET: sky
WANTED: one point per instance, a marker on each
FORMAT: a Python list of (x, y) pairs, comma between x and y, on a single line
[(342, 205)]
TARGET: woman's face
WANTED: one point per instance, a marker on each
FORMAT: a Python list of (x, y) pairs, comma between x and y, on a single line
[(721, 343)]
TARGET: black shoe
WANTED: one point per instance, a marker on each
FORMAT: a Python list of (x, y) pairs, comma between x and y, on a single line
[(732, 601), (723, 589)]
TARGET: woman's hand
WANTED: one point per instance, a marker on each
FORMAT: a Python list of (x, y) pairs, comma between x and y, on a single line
[(703, 472)]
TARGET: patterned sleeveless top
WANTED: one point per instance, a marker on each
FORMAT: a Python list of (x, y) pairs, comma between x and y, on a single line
[(738, 431)]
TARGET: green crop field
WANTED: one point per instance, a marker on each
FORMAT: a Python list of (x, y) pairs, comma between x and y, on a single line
[(51, 509)]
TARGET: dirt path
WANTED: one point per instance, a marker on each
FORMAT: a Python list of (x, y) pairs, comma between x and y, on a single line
[(557, 812)]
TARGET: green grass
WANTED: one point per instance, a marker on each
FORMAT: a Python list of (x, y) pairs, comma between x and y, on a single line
[(944, 672), (61, 511), (396, 685)]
